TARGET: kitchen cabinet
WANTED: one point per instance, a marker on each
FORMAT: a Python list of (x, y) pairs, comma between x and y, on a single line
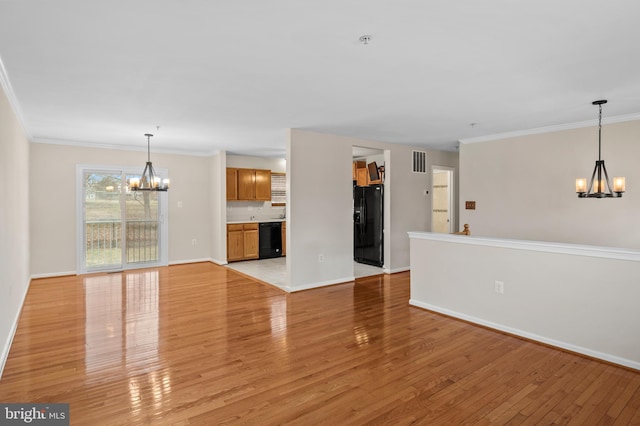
[(246, 184), (356, 166), (250, 184), (284, 238), (232, 184), (362, 177), (263, 185), (242, 241), (251, 237), (361, 174), (235, 242), (359, 164)]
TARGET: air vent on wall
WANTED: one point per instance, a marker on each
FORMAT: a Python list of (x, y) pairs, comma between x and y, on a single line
[(419, 161)]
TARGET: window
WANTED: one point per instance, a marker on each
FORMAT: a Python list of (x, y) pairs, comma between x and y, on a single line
[(278, 189), (118, 228)]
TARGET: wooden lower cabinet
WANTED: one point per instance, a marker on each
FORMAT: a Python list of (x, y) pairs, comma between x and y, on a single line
[(242, 241), (235, 242), (284, 238), (251, 247)]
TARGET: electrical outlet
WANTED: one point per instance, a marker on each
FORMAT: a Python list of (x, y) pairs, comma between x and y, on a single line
[(499, 287), (321, 258), (194, 242)]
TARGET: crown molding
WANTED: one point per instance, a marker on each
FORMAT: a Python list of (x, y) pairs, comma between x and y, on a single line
[(98, 145), (13, 101), (550, 129)]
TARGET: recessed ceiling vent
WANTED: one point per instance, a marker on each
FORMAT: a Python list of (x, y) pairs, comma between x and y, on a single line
[(419, 161)]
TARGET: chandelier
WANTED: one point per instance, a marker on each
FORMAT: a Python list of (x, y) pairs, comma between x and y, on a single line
[(149, 180), (600, 185)]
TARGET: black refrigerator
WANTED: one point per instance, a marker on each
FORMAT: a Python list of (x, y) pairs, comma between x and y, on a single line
[(368, 239)]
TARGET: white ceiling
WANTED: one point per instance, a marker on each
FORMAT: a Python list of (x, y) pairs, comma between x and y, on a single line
[(234, 75)]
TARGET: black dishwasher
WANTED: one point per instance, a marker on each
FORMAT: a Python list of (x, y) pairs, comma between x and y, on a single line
[(270, 239)]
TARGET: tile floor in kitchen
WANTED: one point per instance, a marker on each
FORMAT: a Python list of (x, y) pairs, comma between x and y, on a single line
[(274, 271)]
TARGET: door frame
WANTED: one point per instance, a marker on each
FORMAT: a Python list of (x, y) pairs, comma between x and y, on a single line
[(163, 218), (452, 196)]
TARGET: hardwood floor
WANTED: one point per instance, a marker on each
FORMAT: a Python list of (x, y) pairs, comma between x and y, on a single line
[(201, 344)]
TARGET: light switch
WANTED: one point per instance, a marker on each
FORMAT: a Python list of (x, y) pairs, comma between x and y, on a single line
[(179, 204)]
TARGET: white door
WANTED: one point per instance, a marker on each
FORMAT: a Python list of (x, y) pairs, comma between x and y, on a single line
[(442, 214), (118, 228)]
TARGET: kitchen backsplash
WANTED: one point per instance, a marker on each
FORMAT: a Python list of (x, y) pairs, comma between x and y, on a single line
[(253, 210)]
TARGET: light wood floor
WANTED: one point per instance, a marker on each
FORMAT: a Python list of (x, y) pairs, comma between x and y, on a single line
[(201, 344)]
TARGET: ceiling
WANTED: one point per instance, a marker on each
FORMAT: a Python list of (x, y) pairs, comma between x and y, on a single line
[(234, 75)]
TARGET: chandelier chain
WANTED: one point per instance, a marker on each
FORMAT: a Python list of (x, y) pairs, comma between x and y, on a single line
[(600, 133)]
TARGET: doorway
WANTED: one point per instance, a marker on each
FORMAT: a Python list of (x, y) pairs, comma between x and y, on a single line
[(442, 214), (118, 228), (368, 204)]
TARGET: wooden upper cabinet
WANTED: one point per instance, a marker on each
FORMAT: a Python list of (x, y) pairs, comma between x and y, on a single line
[(232, 184), (360, 172), (246, 184), (263, 185), (359, 164), (362, 177)]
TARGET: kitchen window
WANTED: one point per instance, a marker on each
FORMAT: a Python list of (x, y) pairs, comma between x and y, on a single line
[(278, 189)]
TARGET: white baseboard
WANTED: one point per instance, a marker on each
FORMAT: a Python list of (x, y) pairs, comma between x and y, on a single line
[(175, 262), (7, 346), (53, 274), (531, 336), (183, 262), (319, 284), (396, 270), (218, 262)]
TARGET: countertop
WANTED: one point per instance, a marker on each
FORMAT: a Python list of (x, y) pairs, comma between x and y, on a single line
[(231, 222)]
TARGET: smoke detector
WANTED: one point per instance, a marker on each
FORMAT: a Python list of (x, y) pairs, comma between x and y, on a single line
[(364, 39)]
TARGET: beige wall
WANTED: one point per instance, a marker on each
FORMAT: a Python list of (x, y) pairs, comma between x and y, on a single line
[(319, 210), (53, 203), (249, 162), (525, 186), (218, 200), (557, 294), (320, 206), (14, 223)]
